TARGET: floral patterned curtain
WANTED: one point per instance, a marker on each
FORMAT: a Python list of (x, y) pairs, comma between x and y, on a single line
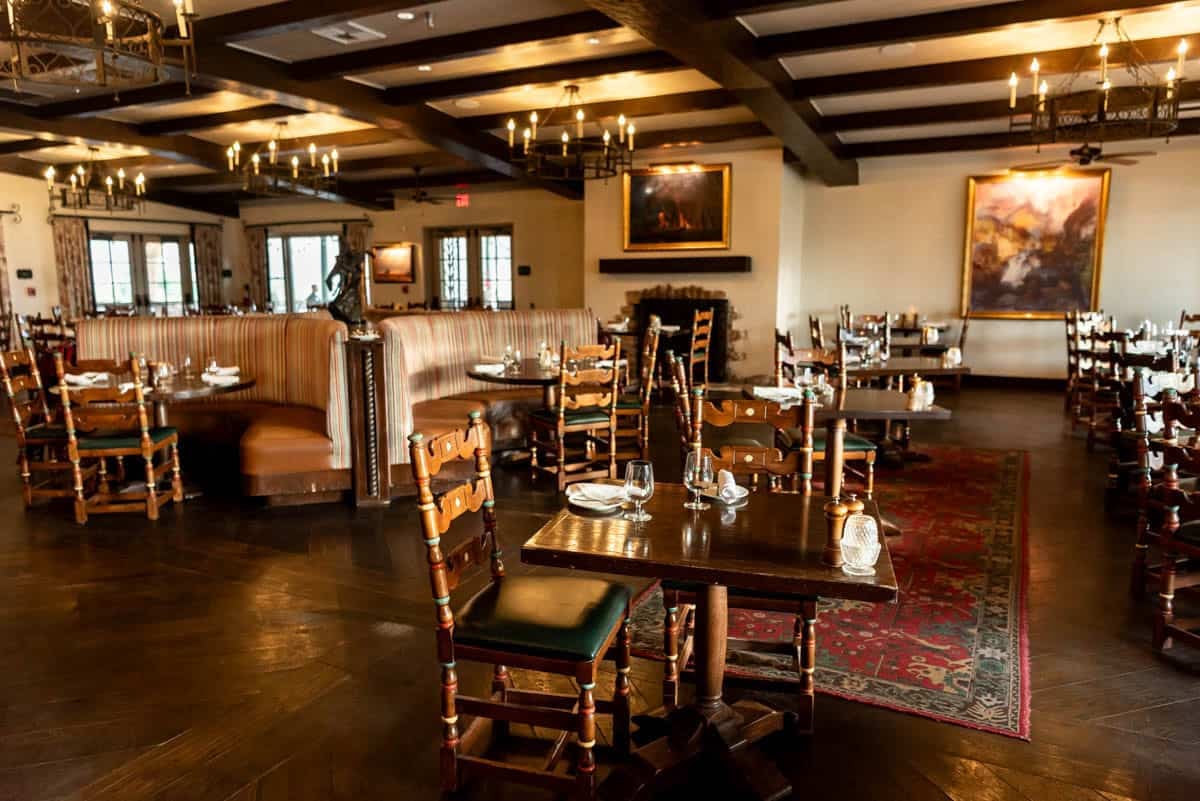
[(74, 266), (355, 237), (256, 252), (208, 264), (7, 326)]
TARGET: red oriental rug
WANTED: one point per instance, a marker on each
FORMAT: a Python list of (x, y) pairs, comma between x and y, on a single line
[(954, 647)]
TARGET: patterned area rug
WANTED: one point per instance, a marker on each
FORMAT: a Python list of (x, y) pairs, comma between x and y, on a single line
[(954, 646)]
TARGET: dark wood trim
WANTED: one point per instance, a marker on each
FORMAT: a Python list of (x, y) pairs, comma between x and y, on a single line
[(720, 49), (380, 187), (724, 9), (366, 379), (200, 122), (98, 104), (25, 146), (637, 108), (15, 165), (653, 61), (208, 204), (298, 484), (454, 46), (677, 264), (981, 70), (285, 17), (957, 22)]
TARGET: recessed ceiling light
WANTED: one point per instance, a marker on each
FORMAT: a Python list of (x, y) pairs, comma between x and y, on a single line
[(593, 40), (424, 68), (898, 49), (527, 87), (407, 16)]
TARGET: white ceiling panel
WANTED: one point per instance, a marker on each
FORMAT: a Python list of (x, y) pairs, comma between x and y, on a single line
[(620, 41), (924, 131), (619, 86), (1181, 18), (14, 136), (214, 103), (450, 17), (845, 12), (298, 126), (77, 153)]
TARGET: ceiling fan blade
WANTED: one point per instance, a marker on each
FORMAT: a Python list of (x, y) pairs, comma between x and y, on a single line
[(1129, 154), (1118, 160), (1044, 165)]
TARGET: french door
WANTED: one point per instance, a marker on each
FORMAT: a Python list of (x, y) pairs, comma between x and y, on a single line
[(473, 268), (296, 269), (153, 274)]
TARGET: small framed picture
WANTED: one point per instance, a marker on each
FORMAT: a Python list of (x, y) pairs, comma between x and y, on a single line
[(394, 263)]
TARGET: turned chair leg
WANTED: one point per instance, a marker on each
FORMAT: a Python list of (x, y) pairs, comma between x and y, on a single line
[(1166, 604), (26, 478), (585, 761), (450, 739), (870, 475), (804, 639), (621, 707), (81, 515), (102, 476), (670, 691), (1141, 552), (151, 490), (176, 475)]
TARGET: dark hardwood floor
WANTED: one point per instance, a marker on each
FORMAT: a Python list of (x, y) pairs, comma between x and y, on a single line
[(235, 652)]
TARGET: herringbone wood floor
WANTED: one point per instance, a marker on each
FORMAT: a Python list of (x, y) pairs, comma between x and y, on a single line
[(232, 652)]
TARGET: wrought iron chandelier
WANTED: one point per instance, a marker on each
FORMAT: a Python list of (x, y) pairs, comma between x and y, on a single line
[(86, 188), (1087, 106), (571, 157), (265, 173), (91, 44)]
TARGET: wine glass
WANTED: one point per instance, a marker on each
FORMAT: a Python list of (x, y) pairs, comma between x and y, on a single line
[(639, 487), (697, 476)]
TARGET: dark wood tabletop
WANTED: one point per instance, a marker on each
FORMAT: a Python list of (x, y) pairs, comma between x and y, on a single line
[(772, 544), (178, 388), (907, 365), (529, 373), (860, 404)]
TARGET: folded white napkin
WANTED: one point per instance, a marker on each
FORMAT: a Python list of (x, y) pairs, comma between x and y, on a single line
[(495, 369), (727, 488), (235, 370), (126, 386), (596, 493), (604, 364), (669, 329), (218, 380), (85, 379), (779, 394)]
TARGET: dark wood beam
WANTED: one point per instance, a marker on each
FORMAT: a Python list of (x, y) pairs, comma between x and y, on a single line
[(469, 178), (991, 141), (15, 165), (996, 68), (294, 15), (724, 9), (958, 22), (454, 46), (635, 108), (954, 112), (98, 105), (25, 146), (349, 170), (720, 49), (711, 134), (654, 61), (238, 71), (207, 204), (199, 122)]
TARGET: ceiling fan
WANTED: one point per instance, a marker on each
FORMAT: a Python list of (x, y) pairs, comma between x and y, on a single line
[(420, 195), (1085, 155)]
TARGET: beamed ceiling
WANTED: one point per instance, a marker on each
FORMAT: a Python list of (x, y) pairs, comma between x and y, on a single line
[(830, 81)]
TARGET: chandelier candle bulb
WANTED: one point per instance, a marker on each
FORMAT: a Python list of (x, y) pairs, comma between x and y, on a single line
[(1106, 87), (272, 148), (630, 131), (188, 7), (1042, 90), (334, 158), (1182, 51), (180, 19), (312, 154), (229, 157), (108, 182), (1012, 90), (579, 123), (1171, 83), (512, 132), (121, 178), (1104, 62), (325, 164), (237, 153), (566, 139), (50, 178), (139, 184), (1035, 68), (295, 166), (607, 138), (106, 10), (527, 136), (254, 163), (533, 121), (621, 129)]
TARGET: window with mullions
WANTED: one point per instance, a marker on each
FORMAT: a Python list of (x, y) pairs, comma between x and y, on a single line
[(473, 267), (495, 266), (153, 274), (112, 272), (453, 270), (296, 269)]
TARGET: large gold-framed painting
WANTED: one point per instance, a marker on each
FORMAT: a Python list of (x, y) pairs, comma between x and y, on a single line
[(677, 207), (1034, 243)]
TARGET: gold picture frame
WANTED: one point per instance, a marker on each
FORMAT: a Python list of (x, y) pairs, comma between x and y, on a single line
[(675, 207), (1034, 243)]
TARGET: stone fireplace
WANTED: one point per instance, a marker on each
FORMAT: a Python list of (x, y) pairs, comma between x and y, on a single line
[(676, 305)]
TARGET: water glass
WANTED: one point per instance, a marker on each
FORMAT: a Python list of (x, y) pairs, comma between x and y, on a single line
[(639, 488), (697, 476), (860, 545)]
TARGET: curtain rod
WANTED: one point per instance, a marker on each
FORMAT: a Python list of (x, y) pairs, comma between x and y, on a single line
[(363, 219), (133, 219)]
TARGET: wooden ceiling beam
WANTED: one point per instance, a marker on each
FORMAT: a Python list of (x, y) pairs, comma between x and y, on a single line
[(725, 9), (454, 46), (635, 108), (720, 49), (238, 71), (957, 22), (991, 141), (981, 70), (100, 104), (293, 15), (200, 122), (26, 146), (15, 165), (565, 72)]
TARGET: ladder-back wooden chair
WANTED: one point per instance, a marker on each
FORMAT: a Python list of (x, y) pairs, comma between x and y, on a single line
[(786, 361), (562, 624), (1189, 322), (633, 410), (577, 440), (42, 461), (114, 421), (816, 332), (1179, 540), (702, 323)]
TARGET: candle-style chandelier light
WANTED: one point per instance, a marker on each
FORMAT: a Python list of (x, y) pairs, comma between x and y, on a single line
[(93, 44), (88, 186), (1096, 103), (269, 171), (573, 154)]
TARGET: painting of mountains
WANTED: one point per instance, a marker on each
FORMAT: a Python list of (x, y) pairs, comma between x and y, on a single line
[(1034, 242)]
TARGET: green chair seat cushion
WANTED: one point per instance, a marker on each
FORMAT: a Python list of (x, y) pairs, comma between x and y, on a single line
[(104, 441), (1189, 533), (52, 433), (734, 592), (559, 617), (627, 402), (852, 443), (573, 416)]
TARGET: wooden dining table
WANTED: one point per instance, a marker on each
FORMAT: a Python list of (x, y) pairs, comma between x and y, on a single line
[(774, 544)]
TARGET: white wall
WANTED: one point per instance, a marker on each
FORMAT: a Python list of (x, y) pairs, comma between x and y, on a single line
[(547, 236), (895, 241), (757, 177), (29, 244)]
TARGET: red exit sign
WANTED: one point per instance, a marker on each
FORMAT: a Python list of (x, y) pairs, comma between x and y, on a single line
[(462, 200)]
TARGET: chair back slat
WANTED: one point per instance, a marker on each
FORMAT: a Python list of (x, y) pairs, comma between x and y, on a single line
[(649, 362), (702, 323), (112, 410), (585, 387), (23, 387), (815, 332), (751, 460)]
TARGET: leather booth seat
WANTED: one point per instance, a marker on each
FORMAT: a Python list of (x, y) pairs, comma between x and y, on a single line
[(286, 439)]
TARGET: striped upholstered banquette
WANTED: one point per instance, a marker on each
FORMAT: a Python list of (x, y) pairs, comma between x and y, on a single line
[(297, 362), (428, 355)]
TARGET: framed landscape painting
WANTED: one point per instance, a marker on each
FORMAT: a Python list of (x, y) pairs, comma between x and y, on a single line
[(677, 207), (394, 263), (1034, 243)]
